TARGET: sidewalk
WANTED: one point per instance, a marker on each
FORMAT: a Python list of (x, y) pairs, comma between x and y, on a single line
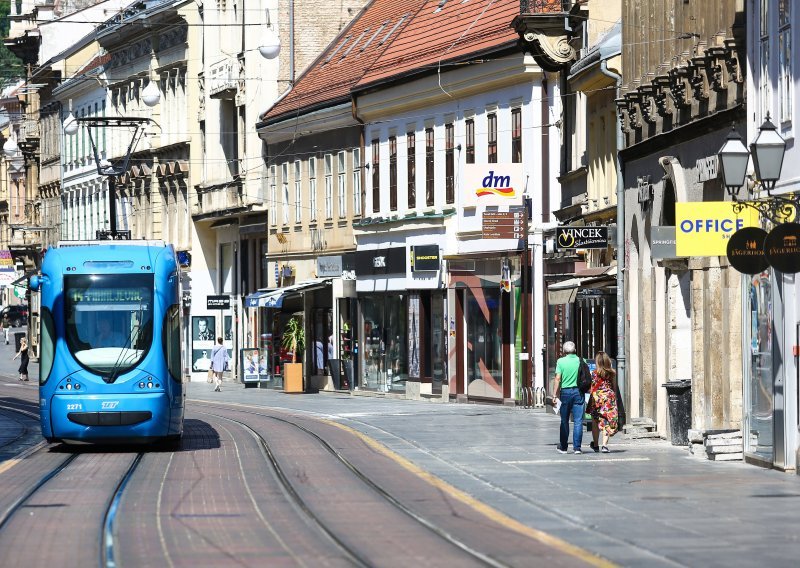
[(644, 504)]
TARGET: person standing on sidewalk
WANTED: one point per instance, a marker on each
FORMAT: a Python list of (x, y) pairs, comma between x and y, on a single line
[(23, 359), (603, 402), (219, 360), (571, 398)]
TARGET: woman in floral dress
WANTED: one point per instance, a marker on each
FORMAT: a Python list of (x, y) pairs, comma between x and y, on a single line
[(603, 402)]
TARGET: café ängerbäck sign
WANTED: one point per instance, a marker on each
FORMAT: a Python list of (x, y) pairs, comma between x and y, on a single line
[(571, 238), (746, 250)]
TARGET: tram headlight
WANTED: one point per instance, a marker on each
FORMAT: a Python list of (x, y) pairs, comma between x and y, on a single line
[(149, 385), (141, 384), (69, 386), (77, 386)]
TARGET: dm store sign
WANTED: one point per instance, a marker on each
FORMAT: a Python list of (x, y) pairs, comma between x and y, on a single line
[(703, 228), (493, 185)]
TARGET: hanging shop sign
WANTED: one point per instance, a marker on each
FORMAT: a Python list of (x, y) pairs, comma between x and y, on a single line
[(703, 228), (746, 250), (662, 242), (329, 266), (782, 248), (425, 257), (493, 184), (218, 302), (571, 238)]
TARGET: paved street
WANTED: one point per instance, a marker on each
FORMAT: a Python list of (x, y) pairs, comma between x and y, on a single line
[(644, 504)]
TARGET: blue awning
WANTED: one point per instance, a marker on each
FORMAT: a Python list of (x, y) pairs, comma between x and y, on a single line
[(274, 298), (252, 300)]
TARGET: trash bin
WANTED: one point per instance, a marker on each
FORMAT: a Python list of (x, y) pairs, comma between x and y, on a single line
[(679, 404)]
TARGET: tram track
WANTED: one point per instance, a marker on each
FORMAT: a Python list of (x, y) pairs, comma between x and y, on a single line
[(357, 559), (25, 429)]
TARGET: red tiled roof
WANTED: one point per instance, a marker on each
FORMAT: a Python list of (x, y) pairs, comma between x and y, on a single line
[(328, 80), (446, 31)]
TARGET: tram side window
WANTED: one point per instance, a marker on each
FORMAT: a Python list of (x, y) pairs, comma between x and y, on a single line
[(46, 346), (171, 342)]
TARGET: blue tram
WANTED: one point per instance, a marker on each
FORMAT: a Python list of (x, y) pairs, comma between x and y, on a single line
[(110, 342)]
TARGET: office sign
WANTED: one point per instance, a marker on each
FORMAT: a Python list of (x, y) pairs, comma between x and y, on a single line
[(329, 266), (703, 228), (218, 302), (425, 257), (572, 238), (746, 250), (662, 242), (782, 248), (492, 184)]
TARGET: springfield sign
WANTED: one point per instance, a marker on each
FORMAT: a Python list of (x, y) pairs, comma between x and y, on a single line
[(704, 228), (492, 184)]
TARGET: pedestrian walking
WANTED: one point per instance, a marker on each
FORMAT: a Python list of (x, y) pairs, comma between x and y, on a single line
[(23, 359), (5, 329), (570, 398), (219, 361), (603, 402)]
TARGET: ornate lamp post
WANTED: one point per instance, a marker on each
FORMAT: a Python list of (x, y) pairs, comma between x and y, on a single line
[(767, 151), (112, 170)]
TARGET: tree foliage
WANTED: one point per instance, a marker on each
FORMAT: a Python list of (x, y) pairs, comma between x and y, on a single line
[(11, 67)]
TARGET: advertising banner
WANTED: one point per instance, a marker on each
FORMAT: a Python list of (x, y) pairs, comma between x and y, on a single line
[(492, 184), (703, 228)]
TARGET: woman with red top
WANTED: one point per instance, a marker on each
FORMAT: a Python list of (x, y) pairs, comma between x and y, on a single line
[(603, 402)]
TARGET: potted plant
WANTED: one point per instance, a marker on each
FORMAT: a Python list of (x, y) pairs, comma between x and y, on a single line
[(294, 339)]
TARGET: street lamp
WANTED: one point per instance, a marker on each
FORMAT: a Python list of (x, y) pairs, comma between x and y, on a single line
[(767, 151), (105, 167)]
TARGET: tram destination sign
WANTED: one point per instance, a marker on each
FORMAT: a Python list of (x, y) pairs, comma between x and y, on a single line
[(504, 225)]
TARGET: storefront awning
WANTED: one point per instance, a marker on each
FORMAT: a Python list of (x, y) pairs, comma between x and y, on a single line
[(566, 291), (274, 298)]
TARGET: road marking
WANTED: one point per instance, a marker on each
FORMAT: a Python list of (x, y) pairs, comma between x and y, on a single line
[(5, 466), (573, 460)]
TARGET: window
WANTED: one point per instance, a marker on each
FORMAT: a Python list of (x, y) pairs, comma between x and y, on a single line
[(491, 132), (376, 177), (785, 78), (312, 188), (285, 187), (356, 181), (329, 186), (341, 172), (449, 163), (764, 82), (273, 196), (411, 166), (393, 173), (429, 171), (516, 135), (226, 263), (298, 196), (470, 143)]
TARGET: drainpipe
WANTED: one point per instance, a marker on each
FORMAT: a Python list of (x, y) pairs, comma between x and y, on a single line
[(291, 41), (621, 359)]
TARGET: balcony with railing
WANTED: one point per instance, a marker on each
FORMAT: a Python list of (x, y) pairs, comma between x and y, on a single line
[(223, 79)]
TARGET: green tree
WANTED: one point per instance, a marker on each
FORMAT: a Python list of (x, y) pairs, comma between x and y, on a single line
[(11, 67)]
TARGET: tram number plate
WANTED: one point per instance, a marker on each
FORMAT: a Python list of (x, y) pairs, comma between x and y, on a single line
[(74, 407)]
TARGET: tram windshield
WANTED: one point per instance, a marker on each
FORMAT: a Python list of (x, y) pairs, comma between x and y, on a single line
[(109, 320)]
